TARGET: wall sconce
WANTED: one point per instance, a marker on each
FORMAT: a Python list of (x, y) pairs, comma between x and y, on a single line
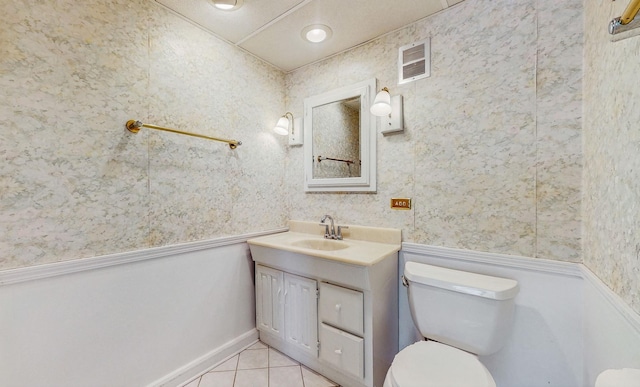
[(282, 128), (389, 109)]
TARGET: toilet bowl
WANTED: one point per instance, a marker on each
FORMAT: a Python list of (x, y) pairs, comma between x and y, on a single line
[(467, 314), (432, 364)]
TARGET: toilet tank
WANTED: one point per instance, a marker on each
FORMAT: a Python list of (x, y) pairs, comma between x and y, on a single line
[(470, 311)]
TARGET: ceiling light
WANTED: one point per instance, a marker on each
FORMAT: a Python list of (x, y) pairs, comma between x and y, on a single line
[(316, 33), (227, 5)]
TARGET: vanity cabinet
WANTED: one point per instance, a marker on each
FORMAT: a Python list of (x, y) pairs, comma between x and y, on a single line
[(340, 320), (347, 330)]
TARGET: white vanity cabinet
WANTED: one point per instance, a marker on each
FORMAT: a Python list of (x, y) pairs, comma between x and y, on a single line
[(347, 331)]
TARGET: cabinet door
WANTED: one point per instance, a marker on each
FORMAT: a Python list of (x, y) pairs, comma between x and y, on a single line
[(301, 313), (269, 301)]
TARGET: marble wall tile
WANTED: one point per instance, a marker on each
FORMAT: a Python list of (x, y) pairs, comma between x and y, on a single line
[(470, 156), (203, 189), (71, 179), (559, 129), (490, 152), (611, 183), (76, 184), (476, 161)]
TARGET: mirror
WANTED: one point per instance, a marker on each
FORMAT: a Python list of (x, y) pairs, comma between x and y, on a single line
[(340, 140), (336, 139)]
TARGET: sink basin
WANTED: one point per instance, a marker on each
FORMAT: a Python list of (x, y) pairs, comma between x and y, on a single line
[(320, 244), (362, 246)]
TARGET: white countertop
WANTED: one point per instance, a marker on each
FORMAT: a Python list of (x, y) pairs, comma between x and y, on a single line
[(366, 245)]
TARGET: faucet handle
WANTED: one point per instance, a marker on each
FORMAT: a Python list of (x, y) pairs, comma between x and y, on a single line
[(326, 230), (339, 236)]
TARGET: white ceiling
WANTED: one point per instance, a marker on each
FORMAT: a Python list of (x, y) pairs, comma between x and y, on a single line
[(271, 29)]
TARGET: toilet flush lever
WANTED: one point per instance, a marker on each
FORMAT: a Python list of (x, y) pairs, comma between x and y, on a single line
[(338, 351), (405, 283)]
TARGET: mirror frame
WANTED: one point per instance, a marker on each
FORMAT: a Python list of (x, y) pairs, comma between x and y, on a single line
[(367, 180)]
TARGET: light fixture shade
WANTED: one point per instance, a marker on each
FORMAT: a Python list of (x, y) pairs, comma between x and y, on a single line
[(381, 104), (282, 127), (316, 33), (227, 5)]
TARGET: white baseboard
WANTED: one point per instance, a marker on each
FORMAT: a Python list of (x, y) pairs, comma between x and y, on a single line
[(209, 361)]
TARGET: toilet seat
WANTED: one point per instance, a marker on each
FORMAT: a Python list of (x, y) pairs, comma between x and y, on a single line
[(432, 364)]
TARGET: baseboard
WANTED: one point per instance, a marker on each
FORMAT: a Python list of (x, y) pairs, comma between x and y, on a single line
[(205, 363)]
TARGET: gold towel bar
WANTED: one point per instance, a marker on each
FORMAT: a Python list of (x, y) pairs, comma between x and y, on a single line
[(627, 21), (134, 127), (630, 12)]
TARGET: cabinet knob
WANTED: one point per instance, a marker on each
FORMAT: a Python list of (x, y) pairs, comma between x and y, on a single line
[(338, 307), (338, 351)]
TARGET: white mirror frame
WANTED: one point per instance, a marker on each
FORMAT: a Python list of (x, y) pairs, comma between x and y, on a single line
[(367, 180)]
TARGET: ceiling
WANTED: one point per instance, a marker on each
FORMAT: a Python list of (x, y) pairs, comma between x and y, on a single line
[(271, 29)]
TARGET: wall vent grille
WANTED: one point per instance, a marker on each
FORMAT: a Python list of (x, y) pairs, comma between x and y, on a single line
[(414, 61)]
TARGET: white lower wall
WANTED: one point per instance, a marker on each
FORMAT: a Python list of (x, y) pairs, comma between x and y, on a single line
[(162, 316), (545, 347), (568, 326), (153, 317), (611, 330)]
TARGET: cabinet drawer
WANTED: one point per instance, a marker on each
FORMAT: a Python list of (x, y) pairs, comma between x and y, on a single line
[(342, 308), (343, 350)]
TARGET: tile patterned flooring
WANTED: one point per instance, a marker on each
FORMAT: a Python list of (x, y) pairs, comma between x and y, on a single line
[(260, 366)]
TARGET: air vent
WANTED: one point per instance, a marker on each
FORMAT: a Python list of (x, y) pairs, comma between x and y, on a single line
[(414, 61)]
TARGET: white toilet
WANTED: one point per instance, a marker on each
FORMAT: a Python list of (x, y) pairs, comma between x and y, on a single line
[(461, 315)]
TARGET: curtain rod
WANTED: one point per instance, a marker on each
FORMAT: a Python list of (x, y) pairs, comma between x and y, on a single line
[(134, 127)]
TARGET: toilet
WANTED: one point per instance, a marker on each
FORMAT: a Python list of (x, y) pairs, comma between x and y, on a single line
[(461, 315)]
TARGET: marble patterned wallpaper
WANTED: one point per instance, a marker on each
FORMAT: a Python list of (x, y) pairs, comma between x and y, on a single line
[(611, 200), (492, 150), (74, 183), (491, 154)]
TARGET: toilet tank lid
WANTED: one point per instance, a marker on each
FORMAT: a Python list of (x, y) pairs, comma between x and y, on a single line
[(495, 288)]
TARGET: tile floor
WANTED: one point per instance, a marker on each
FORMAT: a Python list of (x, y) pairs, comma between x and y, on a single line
[(260, 366)]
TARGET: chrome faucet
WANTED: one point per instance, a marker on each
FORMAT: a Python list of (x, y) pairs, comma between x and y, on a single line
[(330, 233)]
